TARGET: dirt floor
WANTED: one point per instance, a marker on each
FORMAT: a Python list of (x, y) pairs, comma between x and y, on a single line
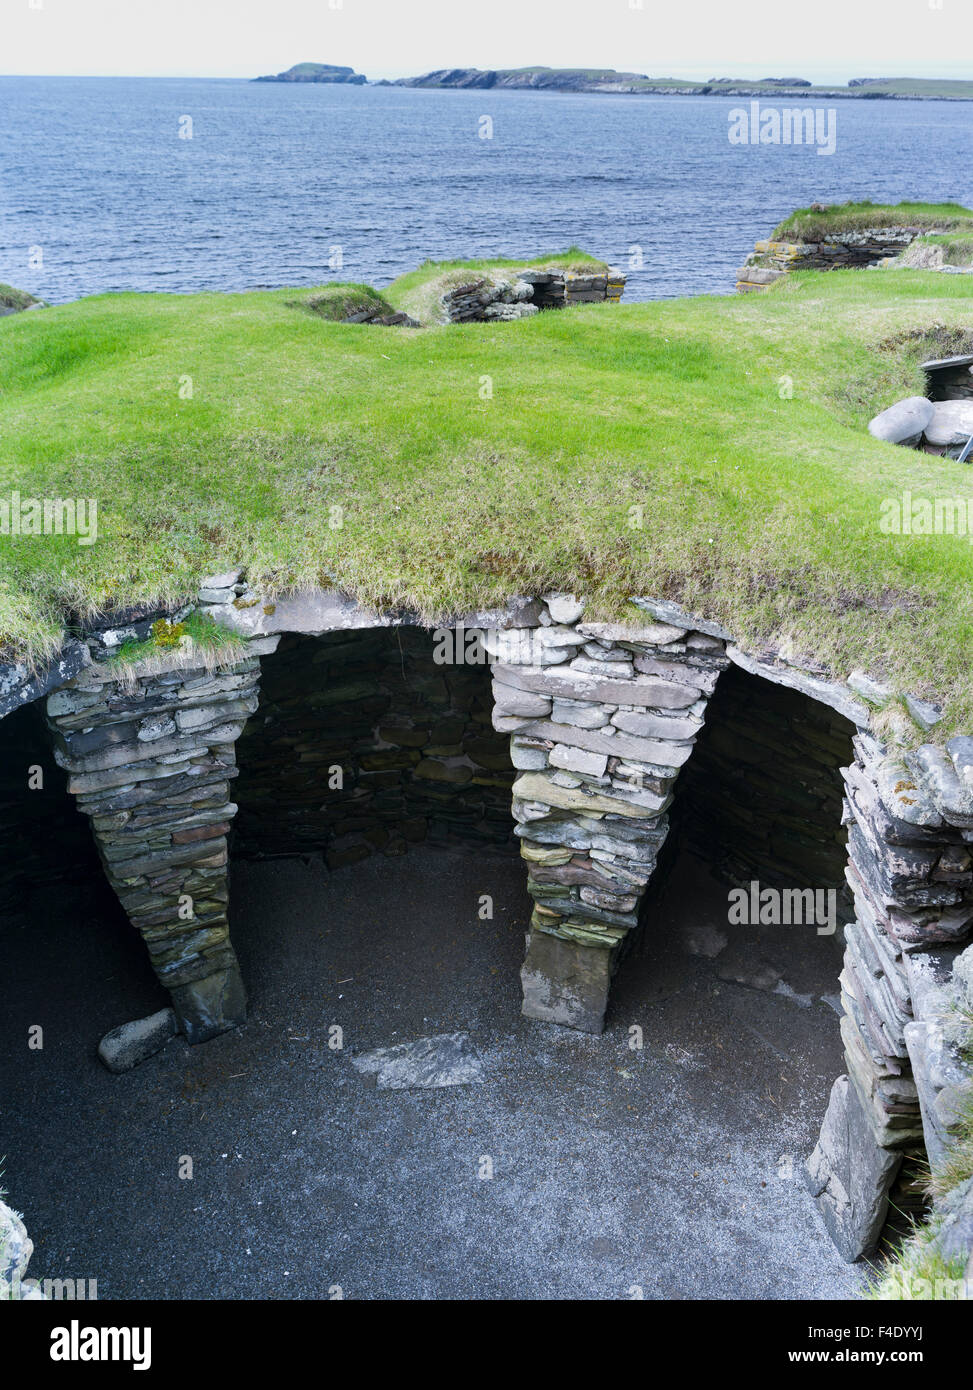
[(576, 1167)]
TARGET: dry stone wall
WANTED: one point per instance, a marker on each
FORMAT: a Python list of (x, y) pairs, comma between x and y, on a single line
[(761, 798), (486, 298), (910, 828), (601, 718), (362, 743), (769, 260)]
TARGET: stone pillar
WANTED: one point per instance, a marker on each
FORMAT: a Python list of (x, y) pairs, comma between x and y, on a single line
[(602, 717), (910, 825), (150, 761)]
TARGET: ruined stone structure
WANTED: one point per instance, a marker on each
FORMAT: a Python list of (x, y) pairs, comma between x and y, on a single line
[(769, 260), (602, 721), (526, 292)]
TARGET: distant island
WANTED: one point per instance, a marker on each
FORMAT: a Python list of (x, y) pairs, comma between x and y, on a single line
[(317, 72), (607, 80)]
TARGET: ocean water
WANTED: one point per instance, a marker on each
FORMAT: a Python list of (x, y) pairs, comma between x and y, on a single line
[(98, 191)]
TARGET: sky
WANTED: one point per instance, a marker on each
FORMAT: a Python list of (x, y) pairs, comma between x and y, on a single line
[(830, 40)]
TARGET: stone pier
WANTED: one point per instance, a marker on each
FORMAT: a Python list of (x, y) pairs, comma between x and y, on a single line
[(602, 716), (150, 762)]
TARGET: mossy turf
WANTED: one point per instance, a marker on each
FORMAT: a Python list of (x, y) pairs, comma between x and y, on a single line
[(813, 224), (11, 298), (709, 450), (338, 302)]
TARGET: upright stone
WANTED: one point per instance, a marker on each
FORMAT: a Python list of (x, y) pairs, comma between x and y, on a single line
[(849, 1176)]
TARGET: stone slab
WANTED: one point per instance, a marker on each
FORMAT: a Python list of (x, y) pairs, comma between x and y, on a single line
[(849, 1176), (650, 691), (448, 1059), (19, 685), (566, 983), (838, 697), (131, 1043)]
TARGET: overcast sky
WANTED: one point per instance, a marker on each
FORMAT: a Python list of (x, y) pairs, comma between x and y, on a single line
[(828, 39)]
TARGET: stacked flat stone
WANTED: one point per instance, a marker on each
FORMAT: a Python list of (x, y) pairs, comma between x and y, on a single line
[(150, 763), (527, 292), (910, 826), (602, 718), (761, 797), (395, 320), (769, 260), (413, 740)]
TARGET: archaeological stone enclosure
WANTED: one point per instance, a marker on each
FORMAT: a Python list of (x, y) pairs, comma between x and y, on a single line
[(587, 746)]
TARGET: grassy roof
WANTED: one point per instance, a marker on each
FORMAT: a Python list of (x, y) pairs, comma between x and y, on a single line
[(418, 292), (473, 462), (813, 224)]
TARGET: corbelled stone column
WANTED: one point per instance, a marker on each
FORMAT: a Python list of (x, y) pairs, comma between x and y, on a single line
[(150, 762), (602, 718)]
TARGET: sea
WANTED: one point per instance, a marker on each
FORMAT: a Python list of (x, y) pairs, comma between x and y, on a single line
[(182, 185)]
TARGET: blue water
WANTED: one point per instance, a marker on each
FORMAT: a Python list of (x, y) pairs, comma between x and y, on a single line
[(93, 172)]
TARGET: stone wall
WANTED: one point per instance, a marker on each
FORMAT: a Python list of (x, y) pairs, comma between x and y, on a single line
[(950, 378), (44, 841), (362, 743), (769, 260), (761, 797), (910, 826), (602, 718), (526, 292)]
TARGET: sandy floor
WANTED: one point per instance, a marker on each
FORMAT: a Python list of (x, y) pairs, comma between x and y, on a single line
[(672, 1169)]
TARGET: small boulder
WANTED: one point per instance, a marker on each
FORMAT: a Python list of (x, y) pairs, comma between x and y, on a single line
[(903, 423), (951, 423), (131, 1043)]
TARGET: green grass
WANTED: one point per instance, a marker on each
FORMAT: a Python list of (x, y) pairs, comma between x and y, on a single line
[(757, 510), (808, 225), (419, 291), (196, 640), (918, 1274)]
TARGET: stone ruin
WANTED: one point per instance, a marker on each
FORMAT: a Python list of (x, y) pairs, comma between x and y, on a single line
[(602, 721), (770, 259), (525, 292)]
